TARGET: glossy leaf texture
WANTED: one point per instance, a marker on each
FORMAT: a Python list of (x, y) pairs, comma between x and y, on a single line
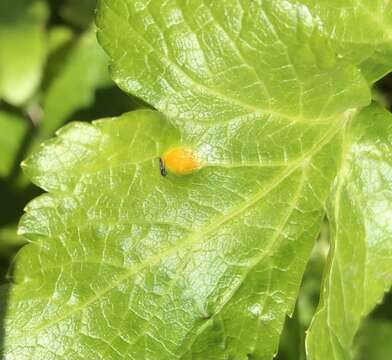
[(359, 269), (360, 31), (156, 267), (22, 48), (127, 264)]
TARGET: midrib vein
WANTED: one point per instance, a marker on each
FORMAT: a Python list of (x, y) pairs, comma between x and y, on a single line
[(196, 236)]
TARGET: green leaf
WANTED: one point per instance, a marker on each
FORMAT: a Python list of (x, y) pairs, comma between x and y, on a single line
[(84, 70), (292, 340), (76, 72), (184, 261), (72, 77), (360, 262), (374, 341), (126, 263), (180, 65), (80, 85), (58, 38), (13, 129), (78, 12), (22, 48), (309, 295), (60, 42), (360, 30), (9, 240)]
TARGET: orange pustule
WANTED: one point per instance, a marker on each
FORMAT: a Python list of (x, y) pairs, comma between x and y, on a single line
[(181, 161)]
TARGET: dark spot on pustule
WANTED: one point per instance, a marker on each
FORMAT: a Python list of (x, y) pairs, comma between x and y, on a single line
[(162, 167)]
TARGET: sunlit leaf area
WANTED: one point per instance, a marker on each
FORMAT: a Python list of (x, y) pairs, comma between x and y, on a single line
[(195, 179)]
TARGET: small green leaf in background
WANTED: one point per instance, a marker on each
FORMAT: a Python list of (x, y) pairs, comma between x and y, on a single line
[(13, 130), (58, 37), (292, 341), (373, 341), (60, 41), (78, 12), (83, 71), (9, 238), (10, 242), (22, 48)]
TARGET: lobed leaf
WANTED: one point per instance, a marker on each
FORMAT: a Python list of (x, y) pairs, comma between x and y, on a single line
[(126, 263), (161, 267)]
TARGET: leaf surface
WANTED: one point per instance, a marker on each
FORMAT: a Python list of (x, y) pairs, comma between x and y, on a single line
[(126, 263), (360, 263), (360, 30), (156, 267)]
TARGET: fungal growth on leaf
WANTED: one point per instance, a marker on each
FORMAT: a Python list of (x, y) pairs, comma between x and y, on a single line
[(179, 161)]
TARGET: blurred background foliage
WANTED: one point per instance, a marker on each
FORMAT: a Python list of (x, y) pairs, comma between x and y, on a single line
[(52, 71)]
